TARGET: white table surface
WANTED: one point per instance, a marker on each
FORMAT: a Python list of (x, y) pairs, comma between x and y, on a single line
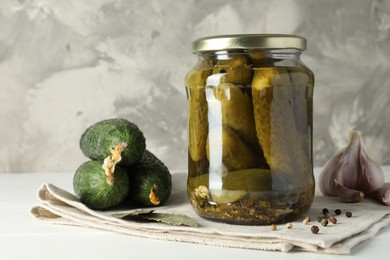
[(23, 237)]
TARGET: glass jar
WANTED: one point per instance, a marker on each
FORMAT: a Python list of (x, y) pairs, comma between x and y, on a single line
[(250, 123)]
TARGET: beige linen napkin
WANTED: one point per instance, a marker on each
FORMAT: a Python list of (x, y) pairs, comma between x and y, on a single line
[(58, 206)]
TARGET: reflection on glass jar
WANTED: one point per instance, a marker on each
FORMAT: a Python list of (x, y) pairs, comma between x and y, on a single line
[(250, 129)]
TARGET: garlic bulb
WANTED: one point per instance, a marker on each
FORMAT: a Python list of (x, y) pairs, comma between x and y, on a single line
[(351, 174)]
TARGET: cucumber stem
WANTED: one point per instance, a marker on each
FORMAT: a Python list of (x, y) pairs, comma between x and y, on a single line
[(153, 196), (111, 161)]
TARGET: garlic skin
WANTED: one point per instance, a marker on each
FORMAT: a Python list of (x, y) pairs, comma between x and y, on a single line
[(351, 174)]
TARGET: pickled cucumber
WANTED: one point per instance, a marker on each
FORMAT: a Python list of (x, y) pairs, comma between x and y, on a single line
[(96, 190), (237, 113), (197, 113), (249, 180), (276, 127), (236, 69), (274, 117), (100, 139), (302, 83), (227, 196), (224, 142)]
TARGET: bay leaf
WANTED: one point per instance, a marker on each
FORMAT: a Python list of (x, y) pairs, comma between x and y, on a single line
[(133, 213), (171, 219), (150, 215)]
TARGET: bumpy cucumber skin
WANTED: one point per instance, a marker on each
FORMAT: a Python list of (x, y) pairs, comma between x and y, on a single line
[(96, 141), (149, 172), (91, 186)]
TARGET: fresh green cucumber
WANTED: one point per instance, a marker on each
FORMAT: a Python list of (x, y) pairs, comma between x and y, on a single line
[(150, 181), (98, 141), (97, 190)]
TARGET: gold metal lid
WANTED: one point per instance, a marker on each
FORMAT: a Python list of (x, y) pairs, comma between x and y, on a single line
[(249, 42)]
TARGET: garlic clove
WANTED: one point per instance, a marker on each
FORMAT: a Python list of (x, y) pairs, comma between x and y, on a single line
[(351, 174), (348, 195), (372, 176), (340, 168), (350, 163), (382, 194), (328, 174)]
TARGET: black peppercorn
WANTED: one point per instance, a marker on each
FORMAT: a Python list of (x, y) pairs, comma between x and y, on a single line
[(348, 214), (325, 210), (337, 211), (314, 229)]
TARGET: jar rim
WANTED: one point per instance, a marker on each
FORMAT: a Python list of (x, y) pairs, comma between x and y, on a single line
[(248, 42)]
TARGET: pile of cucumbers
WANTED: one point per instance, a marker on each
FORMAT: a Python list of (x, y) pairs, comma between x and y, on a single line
[(120, 168)]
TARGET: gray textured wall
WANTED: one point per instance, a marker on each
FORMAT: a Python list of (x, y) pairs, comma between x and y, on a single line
[(67, 64)]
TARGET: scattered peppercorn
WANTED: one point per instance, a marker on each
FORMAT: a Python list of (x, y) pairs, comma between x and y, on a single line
[(348, 214), (306, 221), (324, 222), (289, 225), (325, 210), (314, 229), (273, 227), (337, 211), (333, 220)]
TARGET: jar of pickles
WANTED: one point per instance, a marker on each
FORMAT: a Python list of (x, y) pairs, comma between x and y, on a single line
[(250, 102)]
